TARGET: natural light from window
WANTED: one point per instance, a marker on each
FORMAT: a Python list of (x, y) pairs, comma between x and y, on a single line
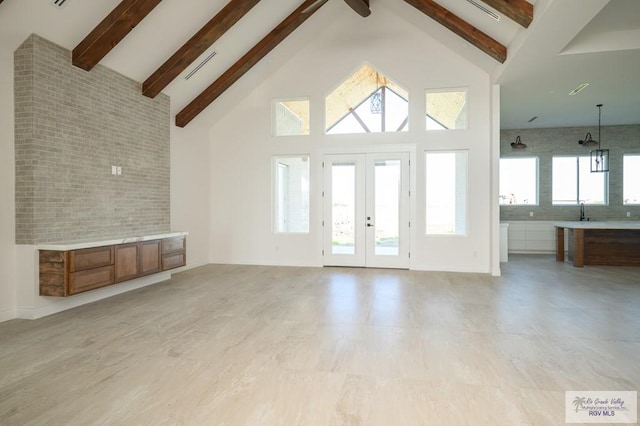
[(446, 109), (446, 192), (367, 102), (291, 117), (519, 181), (573, 183), (631, 179), (291, 194)]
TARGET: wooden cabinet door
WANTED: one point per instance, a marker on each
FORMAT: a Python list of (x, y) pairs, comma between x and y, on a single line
[(127, 262), (150, 257)]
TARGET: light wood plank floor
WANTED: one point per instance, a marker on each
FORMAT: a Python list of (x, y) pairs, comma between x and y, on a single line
[(253, 345)]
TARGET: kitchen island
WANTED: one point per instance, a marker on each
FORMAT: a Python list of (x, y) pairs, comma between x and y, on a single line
[(599, 243)]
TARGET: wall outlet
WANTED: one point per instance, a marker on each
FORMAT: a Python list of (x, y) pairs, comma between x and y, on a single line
[(114, 170), (628, 214), (531, 214), (119, 170)]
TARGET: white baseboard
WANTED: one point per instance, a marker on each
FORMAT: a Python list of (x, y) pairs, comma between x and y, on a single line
[(59, 304), (435, 268), (8, 314)]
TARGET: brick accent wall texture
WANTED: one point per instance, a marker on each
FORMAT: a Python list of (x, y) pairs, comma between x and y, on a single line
[(546, 143), (71, 126)]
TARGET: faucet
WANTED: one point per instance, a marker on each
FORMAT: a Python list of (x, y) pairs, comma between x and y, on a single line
[(582, 217)]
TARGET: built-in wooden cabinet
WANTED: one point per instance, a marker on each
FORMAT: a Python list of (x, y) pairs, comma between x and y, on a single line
[(64, 273)]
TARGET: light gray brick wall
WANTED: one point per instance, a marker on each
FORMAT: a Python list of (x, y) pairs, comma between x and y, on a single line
[(546, 143), (71, 127)]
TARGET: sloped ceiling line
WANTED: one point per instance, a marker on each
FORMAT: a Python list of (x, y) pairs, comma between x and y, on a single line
[(519, 11), (197, 45), (108, 33), (244, 64), (462, 28)]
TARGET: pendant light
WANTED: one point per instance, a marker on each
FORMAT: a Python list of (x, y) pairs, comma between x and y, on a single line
[(376, 103), (376, 99), (599, 157), (518, 144)]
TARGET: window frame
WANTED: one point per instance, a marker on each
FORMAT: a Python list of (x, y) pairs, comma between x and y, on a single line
[(275, 184), (578, 201)]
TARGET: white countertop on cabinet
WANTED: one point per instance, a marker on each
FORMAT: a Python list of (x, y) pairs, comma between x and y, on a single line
[(82, 244)]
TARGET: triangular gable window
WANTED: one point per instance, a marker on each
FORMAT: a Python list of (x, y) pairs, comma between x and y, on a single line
[(367, 102)]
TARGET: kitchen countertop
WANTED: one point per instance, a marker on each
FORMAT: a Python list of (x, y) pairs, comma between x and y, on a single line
[(598, 225), (81, 244)]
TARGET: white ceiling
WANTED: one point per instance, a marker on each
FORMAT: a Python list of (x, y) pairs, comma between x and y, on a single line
[(569, 42)]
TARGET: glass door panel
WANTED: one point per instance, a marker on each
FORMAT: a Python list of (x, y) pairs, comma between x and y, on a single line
[(343, 208), (387, 207)]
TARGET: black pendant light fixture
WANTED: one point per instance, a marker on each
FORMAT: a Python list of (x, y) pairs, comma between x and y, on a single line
[(518, 144), (599, 157)]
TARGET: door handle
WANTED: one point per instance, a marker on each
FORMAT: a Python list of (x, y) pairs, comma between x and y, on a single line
[(369, 224)]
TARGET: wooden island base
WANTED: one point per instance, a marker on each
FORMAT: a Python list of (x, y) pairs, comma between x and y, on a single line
[(593, 243)]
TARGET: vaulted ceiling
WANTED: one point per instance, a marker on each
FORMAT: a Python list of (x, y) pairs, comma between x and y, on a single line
[(538, 51)]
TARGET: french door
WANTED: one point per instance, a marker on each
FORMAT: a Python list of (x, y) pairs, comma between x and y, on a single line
[(366, 210)]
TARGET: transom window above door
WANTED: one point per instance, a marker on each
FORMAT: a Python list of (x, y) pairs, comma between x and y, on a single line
[(367, 102), (446, 109), (291, 117)]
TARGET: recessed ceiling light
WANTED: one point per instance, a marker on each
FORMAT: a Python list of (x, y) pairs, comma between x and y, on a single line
[(578, 89)]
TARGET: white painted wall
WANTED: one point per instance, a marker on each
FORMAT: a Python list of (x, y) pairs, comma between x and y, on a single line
[(190, 190), (312, 62), (7, 190)]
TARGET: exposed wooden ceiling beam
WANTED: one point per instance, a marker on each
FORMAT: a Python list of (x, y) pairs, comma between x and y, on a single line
[(244, 64), (462, 28), (108, 33), (520, 11), (196, 46)]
